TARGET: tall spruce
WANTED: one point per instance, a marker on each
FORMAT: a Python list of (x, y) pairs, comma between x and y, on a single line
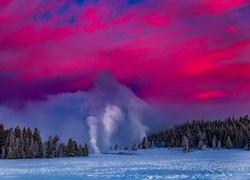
[(185, 144)]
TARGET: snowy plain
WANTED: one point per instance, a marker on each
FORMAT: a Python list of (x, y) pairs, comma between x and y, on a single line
[(144, 164)]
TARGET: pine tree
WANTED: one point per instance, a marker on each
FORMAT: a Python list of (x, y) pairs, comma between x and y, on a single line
[(152, 144), (214, 142), (3, 155), (50, 148), (145, 143), (134, 147), (10, 153), (16, 150), (172, 143), (219, 145), (240, 139), (2, 136), (70, 148), (116, 146), (229, 144), (17, 132), (86, 150), (45, 149), (200, 145), (38, 143), (185, 144), (31, 149), (63, 149), (247, 147)]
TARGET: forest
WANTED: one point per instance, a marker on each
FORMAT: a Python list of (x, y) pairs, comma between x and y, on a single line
[(24, 143), (199, 134)]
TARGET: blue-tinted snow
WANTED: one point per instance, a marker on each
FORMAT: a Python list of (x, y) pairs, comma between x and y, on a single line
[(145, 164)]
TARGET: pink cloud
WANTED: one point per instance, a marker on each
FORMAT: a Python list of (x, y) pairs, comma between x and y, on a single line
[(175, 53)]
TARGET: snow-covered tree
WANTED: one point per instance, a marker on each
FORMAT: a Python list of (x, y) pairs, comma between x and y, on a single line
[(10, 153), (86, 150), (44, 149), (185, 144), (201, 145), (214, 141), (2, 135), (145, 143), (229, 144), (219, 145), (71, 148), (3, 155), (116, 146), (31, 149), (134, 147), (247, 147), (38, 143)]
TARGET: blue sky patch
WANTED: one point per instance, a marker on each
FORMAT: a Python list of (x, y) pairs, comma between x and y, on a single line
[(79, 1), (63, 8), (46, 15), (72, 20), (134, 1)]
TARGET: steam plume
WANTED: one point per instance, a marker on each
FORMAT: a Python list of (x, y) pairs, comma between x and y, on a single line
[(92, 122), (110, 120), (108, 113)]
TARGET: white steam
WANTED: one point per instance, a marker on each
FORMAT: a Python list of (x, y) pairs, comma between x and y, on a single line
[(111, 118), (107, 114), (93, 125), (136, 121)]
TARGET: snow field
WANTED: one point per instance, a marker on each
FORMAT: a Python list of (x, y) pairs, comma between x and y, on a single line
[(144, 164)]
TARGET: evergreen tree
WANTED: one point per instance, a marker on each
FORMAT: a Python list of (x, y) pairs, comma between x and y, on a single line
[(214, 142), (71, 148), (152, 144), (80, 152), (145, 143), (219, 145), (2, 137), (10, 153), (229, 144), (17, 132), (31, 149), (247, 147), (134, 147), (240, 141), (201, 145), (116, 146), (86, 150), (50, 148), (45, 149), (185, 144), (3, 155), (38, 143)]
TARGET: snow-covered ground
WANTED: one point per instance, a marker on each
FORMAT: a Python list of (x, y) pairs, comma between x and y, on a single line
[(144, 164)]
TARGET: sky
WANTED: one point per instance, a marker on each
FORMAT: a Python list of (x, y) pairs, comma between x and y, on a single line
[(189, 60)]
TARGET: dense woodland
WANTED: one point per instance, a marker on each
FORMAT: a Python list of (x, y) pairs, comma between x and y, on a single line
[(21, 144), (199, 134)]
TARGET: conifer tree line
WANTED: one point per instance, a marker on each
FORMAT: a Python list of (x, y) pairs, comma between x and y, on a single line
[(199, 134), (24, 143)]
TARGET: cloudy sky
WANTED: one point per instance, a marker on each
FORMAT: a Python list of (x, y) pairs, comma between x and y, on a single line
[(190, 59)]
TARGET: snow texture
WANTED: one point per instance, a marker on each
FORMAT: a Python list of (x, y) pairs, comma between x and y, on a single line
[(143, 164)]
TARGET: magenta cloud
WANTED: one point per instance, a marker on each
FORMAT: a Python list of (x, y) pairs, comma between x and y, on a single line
[(191, 52)]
